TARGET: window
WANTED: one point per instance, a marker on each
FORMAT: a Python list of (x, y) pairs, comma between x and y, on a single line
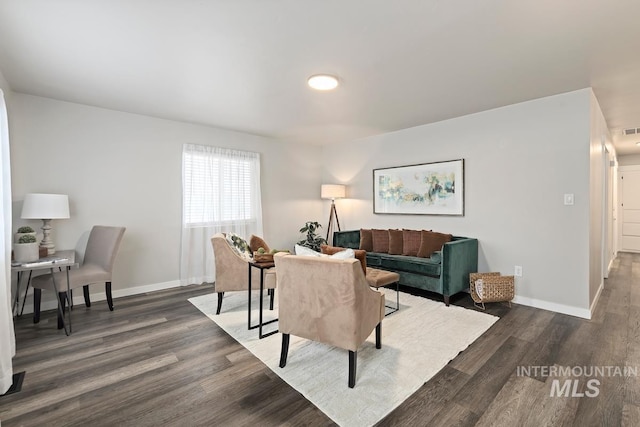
[(221, 194), (219, 185)]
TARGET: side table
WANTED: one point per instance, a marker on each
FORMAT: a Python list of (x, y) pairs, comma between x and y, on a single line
[(66, 259), (262, 266)]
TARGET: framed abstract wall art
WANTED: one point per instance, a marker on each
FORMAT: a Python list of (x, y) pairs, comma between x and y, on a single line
[(424, 189)]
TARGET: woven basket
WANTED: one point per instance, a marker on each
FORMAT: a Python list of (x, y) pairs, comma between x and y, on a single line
[(262, 257), (495, 288)]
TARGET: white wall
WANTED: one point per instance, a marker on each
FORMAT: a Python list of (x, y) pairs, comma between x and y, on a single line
[(121, 168), (629, 160), (125, 169), (4, 85), (519, 161), (599, 138)]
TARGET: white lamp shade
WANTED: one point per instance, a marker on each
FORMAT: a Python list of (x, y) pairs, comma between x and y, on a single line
[(45, 206), (332, 191)]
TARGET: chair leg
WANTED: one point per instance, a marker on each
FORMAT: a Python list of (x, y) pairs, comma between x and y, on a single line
[(353, 356), (379, 336), (37, 297), (284, 350), (63, 302), (87, 299), (272, 296), (220, 295), (107, 287)]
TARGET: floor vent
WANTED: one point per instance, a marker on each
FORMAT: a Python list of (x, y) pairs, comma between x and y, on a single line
[(17, 384)]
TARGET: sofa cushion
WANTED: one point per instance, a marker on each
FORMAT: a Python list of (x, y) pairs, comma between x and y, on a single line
[(432, 241), (411, 242), (380, 241), (424, 266), (360, 254), (366, 240), (395, 242)]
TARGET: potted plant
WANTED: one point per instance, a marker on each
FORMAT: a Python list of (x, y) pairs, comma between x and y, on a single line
[(24, 231), (312, 240), (26, 249)]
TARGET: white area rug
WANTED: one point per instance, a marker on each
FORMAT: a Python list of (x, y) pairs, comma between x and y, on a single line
[(417, 342)]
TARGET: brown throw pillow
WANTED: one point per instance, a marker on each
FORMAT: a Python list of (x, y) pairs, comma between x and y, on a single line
[(361, 255), (432, 241), (380, 240), (366, 240), (395, 242), (411, 242), (257, 242)]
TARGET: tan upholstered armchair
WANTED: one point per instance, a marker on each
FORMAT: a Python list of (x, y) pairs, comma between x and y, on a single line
[(232, 271), (327, 300)]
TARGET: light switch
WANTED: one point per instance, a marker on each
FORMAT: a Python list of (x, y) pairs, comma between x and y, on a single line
[(568, 199)]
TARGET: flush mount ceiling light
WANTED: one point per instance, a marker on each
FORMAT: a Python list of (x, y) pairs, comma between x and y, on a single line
[(323, 82), (638, 144)]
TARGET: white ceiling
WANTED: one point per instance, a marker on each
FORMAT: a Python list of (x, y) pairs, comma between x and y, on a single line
[(243, 64)]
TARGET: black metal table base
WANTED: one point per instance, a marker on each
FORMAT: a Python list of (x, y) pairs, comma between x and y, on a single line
[(261, 323), (397, 307)]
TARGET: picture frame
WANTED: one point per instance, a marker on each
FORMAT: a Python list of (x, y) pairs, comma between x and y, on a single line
[(435, 188)]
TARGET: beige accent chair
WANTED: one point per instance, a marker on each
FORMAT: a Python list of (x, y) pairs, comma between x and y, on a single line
[(329, 301), (99, 257), (232, 271)]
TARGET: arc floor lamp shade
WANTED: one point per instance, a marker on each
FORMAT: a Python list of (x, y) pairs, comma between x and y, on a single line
[(46, 207)]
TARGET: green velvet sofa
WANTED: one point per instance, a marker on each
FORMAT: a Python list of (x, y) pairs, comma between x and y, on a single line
[(446, 272)]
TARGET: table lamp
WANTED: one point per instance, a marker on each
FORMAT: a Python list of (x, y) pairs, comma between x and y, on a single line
[(333, 192), (46, 207)]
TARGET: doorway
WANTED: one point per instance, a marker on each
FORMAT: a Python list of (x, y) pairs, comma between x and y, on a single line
[(629, 208)]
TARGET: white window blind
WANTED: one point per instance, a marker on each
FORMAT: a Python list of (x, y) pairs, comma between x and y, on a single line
[(219, 186)]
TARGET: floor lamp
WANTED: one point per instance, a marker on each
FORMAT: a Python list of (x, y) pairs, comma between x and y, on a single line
[(333, 192)]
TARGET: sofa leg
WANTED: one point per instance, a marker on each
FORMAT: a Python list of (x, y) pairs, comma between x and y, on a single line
[(379, 336), (271, 298), (220, 295), (353, 357), (446, 300), (284, 350)]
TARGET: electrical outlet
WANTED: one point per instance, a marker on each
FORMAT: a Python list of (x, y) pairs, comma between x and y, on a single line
[(568, 199), (518, 271)]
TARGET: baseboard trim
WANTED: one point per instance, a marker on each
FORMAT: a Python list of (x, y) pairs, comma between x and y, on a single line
[(100, 296), (596, 299), (552, 306), (610, 266)]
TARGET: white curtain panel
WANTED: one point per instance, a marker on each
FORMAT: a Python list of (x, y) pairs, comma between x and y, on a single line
[(7, 337), (220, 194)]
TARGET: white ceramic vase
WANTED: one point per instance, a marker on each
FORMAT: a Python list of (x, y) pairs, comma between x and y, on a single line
[(26, 252)]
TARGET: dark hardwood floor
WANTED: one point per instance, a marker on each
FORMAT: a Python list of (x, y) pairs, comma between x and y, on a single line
[(156, 360)]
